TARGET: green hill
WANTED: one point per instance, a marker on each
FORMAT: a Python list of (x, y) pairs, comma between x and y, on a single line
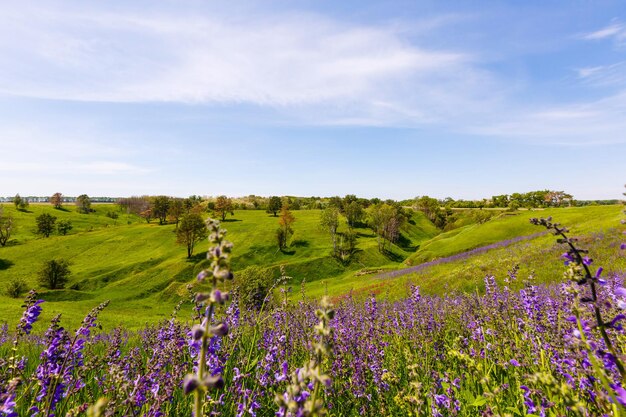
[(599, 229), (140, 268)]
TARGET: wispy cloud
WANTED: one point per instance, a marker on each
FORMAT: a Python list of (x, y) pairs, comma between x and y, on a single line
[(615, 30), (604, 75), (290, 61)]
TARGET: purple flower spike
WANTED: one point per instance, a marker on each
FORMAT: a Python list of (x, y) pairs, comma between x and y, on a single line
[(514, 362), (31, 314), (599, 272), (622, 246)]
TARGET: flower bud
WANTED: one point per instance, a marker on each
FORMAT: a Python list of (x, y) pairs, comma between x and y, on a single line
[(190, 384), (220, 330), (219, 297), (202, 275), (197, 331), (214, 382), (202, 296)]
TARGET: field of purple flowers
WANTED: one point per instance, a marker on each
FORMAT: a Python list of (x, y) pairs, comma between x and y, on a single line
[(544, 350)]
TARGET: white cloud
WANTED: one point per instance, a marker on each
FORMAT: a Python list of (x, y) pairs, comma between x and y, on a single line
[(588, 123), (615, 30), (289, 61)]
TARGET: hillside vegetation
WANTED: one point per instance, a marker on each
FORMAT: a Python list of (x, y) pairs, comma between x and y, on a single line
[(141, 269)]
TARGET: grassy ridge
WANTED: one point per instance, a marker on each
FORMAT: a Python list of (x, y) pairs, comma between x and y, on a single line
[(140, 268), (598, 227)]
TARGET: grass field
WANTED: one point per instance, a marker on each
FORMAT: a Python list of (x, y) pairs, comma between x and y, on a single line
[(140, 268), (598, 227)]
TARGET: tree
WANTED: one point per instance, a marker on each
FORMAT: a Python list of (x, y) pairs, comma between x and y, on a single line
[(191, 230), (146, 215), (223, 206), (284, 231), (176, 210), (64, 226), (354, 213), (160, 207), (17, 200), (386, 220), (274, 205), (83, 202), (45, 224), (54, 273), (6, 227), (57, 200), (329, 221)]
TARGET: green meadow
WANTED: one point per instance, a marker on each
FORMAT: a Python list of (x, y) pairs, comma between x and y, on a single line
[(144, 273)]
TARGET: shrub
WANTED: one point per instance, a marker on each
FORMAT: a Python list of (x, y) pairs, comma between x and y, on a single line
[(254, 284), (112, 214), (64, 226), (16, 288), (54, 274)]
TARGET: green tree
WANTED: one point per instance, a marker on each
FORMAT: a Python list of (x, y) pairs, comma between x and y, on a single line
[(274, 205), (45, 224), (223, 206), (160, 207), (57, 200), (176, 210), (17, 200), (54, 274), (7, 227), (191, 230), (83, 203), (64, 226), (354, 213), (386, 220), (329, 221)]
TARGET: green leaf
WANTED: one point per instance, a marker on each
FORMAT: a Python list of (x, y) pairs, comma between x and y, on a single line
[(479, 401)]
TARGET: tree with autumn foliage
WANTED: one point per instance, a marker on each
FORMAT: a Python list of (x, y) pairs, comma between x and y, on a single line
[(223, 205), (57, 200), (284, 231)]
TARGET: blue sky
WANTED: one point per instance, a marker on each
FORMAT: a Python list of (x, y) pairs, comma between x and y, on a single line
[(391, 99)]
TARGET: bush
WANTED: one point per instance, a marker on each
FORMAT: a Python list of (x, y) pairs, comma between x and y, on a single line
[(16, 288), (54, 274), (64, 226), (112, 214), (254, 284)]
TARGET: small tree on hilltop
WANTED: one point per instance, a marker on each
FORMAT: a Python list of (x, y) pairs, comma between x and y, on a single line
[(223, 206), (6, 227), (45, 224), (57, 200), (274, 205), (54, 274), (64, 226), (191, 230), (285, 230), (83, 202)]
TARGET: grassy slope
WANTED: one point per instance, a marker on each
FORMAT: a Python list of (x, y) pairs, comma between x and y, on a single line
[(144, 273), (599, 228)]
